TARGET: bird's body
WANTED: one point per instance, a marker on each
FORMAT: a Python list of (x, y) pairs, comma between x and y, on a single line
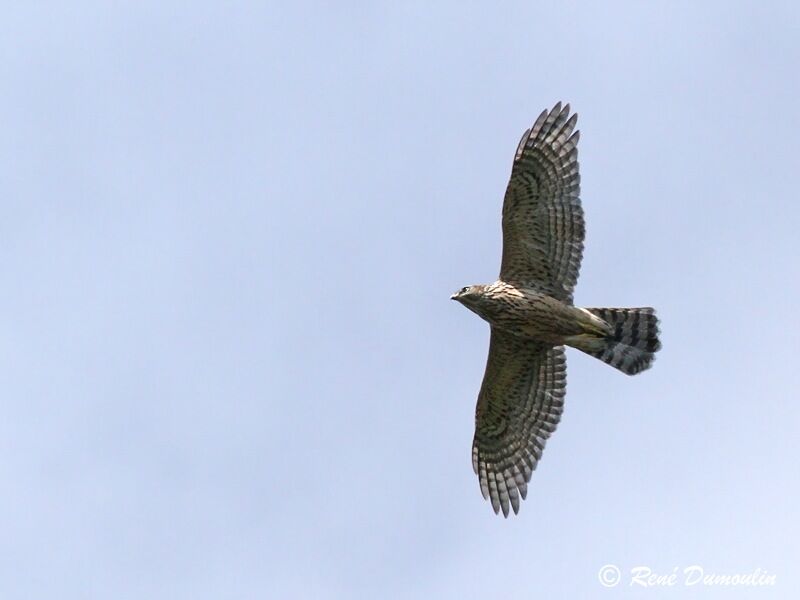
[(532, 316)]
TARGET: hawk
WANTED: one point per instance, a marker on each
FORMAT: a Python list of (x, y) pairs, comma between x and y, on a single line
[(532, 316)]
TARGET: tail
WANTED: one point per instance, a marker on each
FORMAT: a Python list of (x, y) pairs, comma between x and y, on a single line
[(632, 343)]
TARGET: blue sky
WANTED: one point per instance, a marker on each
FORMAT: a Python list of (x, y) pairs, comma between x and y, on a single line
[(230, 365)]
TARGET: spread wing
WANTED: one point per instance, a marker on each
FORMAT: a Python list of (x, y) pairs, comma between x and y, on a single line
[(519, 406), (543, 225)]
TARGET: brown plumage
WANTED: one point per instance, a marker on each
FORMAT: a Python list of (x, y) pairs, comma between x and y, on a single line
[(532, 317)]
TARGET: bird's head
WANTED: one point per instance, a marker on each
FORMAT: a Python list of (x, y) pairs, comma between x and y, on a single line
[(469, 296)]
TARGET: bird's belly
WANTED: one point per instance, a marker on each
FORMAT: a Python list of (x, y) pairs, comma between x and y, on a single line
[(540, 318)]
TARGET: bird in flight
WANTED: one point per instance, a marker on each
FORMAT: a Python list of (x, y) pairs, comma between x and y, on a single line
[(532, 316)]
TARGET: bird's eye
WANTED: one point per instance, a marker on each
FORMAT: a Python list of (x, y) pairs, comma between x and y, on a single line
[(464, 290)]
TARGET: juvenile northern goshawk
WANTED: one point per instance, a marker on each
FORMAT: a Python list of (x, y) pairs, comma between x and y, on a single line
[(532, 317)]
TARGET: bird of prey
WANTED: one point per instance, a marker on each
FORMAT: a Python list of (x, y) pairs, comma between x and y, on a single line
[(532, 316)]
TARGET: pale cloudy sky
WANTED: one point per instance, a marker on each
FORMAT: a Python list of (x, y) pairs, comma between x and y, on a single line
[(230, 365)]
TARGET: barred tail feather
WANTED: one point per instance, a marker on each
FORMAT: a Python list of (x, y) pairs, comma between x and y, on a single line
[(632, 343)]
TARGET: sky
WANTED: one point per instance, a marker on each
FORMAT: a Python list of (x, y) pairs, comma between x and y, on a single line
[(230, 366)]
